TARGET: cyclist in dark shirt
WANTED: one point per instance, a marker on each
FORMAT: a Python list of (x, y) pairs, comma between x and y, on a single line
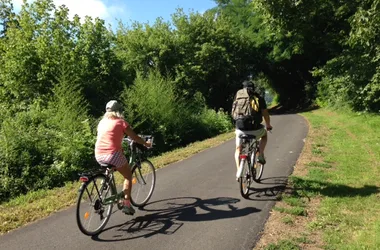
[(258, 129)]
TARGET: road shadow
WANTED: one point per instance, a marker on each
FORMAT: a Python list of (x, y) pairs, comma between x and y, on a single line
[(307, 186), (268, 189), (169, 215), (275, 180), (266, 193)]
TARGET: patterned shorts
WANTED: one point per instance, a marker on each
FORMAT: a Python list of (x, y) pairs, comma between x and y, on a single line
[(116, 159)]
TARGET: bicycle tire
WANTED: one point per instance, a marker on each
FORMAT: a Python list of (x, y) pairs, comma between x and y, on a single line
[(143, 173), (87, 190), (245, 179), (257, 168)]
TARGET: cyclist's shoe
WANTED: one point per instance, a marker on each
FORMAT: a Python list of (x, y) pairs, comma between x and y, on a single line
[(128, 210), (261, 159)]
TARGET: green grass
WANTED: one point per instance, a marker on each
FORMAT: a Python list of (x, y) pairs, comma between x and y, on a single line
[(350, 191), (288, 220), (294, 201), (319, 164), (298, 211), (284, 245), (37, 205), (343, 173)]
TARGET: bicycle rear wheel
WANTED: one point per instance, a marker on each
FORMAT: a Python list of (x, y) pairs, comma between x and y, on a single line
[(245, 179), (91, 214), (143, 183), (258, 168)]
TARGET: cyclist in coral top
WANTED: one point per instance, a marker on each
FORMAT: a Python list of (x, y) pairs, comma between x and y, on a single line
[(108, 148)]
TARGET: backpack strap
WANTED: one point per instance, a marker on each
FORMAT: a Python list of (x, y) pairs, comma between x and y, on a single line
[(255, 103)]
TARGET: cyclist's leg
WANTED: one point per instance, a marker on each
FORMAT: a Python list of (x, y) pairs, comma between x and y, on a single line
[(262, 133), (263, 143), (118, 160), (238, 147), (125, 171), (127, 188)]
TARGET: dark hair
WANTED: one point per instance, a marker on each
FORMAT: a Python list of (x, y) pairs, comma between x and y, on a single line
[(251, 91), (248, 84)]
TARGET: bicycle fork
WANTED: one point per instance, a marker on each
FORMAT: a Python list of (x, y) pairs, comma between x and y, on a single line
[(139, 176)]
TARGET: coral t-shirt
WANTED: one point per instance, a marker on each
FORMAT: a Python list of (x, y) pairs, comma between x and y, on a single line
[(110, 136)]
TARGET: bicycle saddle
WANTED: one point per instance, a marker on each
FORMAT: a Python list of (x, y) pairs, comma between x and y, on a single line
[(247, 137), (107, 166)]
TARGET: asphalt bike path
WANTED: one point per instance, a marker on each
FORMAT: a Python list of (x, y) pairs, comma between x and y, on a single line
[(196, 204)]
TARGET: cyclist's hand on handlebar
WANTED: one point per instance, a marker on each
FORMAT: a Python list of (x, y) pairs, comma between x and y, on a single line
[(148, 144)]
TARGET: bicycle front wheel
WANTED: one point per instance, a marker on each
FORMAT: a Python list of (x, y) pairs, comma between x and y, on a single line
[(245, 179), (92, 215), (258, 168), (143, 183)]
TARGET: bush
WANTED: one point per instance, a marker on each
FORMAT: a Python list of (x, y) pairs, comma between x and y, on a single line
[(215, 122), (43, 147), (73, 140), (25, 153), (153, 106), (50, 142)]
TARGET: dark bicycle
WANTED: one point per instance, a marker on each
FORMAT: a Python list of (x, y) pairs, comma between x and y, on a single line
[(98, 192), (249, 169)]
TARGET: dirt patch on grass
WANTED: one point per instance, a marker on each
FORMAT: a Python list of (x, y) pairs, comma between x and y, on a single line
[(287, 227)]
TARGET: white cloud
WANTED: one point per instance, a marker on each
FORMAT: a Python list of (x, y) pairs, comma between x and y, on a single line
[(92, 8), (17, 4)]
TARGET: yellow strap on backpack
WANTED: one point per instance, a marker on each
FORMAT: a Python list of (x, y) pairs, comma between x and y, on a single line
[(255, 103)]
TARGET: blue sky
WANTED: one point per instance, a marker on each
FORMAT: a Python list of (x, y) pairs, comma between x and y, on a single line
[(129, 10)]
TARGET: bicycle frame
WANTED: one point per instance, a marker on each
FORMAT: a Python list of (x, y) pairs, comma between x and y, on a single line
[(248, 146), (99, 191), (110, 180), (134, 159), (135, 154)]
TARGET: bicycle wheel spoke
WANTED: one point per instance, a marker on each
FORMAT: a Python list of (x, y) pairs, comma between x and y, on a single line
[(245, 179), (92, 214), (143, 182), (258, 171), (141, 178)]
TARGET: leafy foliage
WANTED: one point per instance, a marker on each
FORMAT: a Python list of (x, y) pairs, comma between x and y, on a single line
[(352, 79), (153, 106), (175, 78), (46, 145)]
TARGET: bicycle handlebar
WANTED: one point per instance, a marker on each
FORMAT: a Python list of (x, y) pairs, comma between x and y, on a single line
[(144, 137)]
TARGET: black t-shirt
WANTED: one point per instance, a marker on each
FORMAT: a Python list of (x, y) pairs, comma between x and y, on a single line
[(258, 118)]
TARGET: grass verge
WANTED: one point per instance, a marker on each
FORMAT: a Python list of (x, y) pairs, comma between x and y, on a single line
[(37, 205), (332, 200)]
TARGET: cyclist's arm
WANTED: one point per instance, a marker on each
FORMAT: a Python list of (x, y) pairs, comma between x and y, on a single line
[(266, 118), (129, 131), (265, 113)]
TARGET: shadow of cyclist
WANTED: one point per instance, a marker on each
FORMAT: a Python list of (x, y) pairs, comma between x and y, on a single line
[(268, 189), (169, 215)]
